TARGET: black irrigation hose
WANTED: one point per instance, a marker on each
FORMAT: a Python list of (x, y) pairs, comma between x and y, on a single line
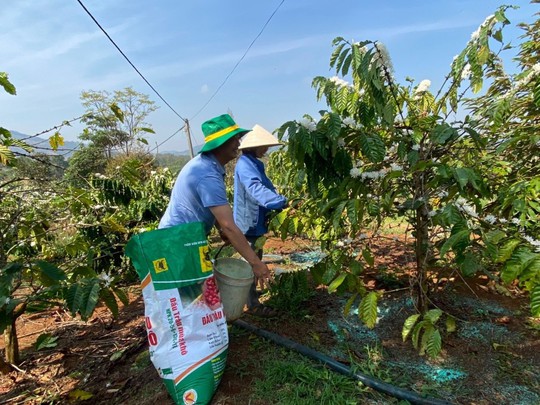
[(341, 368)]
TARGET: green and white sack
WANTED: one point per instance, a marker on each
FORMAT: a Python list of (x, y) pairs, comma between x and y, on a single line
[(186, 326)]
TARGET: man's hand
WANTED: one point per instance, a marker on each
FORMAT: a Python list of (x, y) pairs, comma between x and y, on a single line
[(262, 274)]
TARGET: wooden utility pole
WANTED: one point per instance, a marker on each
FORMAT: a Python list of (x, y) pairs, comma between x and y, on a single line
[(188, 134)]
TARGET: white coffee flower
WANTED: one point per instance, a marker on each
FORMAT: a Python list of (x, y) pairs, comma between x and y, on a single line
[(354, 172), (475, 35), (308, 124), (533, 242), (384, 57), (105, 277), (423, 86), (415, 147), (466, 72), (490, 219), (442, 194), (339, 82), (349, 121)]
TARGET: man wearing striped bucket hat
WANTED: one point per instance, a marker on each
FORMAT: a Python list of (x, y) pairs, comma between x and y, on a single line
[(199, 193)]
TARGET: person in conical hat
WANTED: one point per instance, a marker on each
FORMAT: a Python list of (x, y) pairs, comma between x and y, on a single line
[(199, 193), (254, 198)]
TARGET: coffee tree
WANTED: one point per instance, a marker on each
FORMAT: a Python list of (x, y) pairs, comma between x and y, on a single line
[(386, 150)]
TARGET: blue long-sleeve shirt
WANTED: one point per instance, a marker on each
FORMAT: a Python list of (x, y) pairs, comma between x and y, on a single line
[(254, 196)]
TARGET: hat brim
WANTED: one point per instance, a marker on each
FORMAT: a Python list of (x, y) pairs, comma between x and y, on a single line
[(259, 145), (216, 143)]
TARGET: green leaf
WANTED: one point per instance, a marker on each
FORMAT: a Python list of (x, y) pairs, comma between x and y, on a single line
[(91, 298), (469, 264), (83, 296), (442, 133), (408, 325), (149, 130), (337, 282), (415, 336), (56, 141), (461, 237), (372, 147), (117, 355), (335, 54), (6, 155), (79, 395), (50, 274), (451, 324), (356, 267), (117, 111), (433, 315), (497, 35), (122, 295), (506, 251), (535, 301), (109, 299), (367, 310), (518, 262), (6, 84), (434, 343), (46, 341), (349, 303), (368, 257), (334, 124)]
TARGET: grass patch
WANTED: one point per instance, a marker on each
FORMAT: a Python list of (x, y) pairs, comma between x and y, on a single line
[(290, 378)]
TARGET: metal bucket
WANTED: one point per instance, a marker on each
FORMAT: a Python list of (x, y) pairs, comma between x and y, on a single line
[(234, 278)]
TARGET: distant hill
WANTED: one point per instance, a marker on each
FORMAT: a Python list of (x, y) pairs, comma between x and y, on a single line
[(41, 145)]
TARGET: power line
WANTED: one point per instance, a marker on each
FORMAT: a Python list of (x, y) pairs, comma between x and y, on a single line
[(126, 58), (161, 143), (241, 59)]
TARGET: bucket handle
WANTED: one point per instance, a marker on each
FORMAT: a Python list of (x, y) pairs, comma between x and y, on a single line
[(218, 252)]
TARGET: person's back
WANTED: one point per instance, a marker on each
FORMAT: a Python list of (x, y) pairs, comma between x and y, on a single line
[(198, 187)]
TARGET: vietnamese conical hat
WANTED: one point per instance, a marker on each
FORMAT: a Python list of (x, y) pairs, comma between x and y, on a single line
[(258, 137)]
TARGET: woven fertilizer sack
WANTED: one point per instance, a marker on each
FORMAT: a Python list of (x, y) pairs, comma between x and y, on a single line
[(186, 326)]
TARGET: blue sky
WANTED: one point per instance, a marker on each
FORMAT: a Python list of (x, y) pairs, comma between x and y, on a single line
[(52, 51)]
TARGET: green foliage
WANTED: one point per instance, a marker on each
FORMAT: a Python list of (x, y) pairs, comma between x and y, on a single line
[(291, 379), (46, 341), (462, 186), (116, 121), (425, 335), (290, 291), (6, 84), (367, 310)]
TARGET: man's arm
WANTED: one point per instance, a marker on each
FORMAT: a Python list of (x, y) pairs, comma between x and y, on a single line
[(224, 217)]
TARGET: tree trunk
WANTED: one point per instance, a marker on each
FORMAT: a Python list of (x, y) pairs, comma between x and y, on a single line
[(422, 246), (422, 242), (5, 368), (12, 343)]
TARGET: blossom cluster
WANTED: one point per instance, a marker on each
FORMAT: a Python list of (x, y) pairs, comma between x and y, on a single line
[(423, 86), (339, 82), (382, 59), (106, 278), (488, 22), (308, 124)]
